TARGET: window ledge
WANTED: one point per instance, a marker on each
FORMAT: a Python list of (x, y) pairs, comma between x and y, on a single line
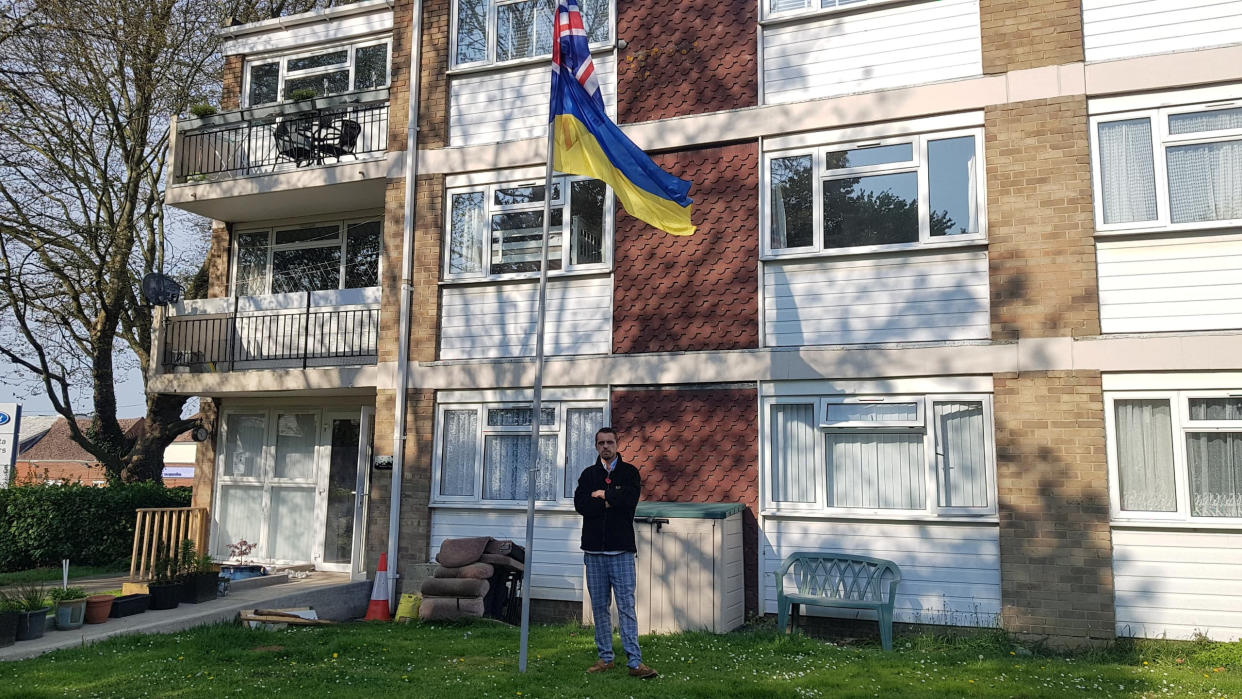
[(818, 13), (1234, 525), (520, 63), (544, 506), (1180, 229), (527, 277), (877, 251), (920, 517)]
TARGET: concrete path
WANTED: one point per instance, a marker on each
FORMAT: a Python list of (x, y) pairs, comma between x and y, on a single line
[(332, 595)]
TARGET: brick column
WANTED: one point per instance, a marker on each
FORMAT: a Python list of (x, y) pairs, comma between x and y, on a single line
[(231, 82), (1018, 35), (415, 535), (1055, 540), (697, 444)]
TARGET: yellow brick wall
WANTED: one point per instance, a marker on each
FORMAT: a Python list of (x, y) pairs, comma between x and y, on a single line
[(1018, 34)]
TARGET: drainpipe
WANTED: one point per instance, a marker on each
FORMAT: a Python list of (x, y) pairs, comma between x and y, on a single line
[(407, 293)]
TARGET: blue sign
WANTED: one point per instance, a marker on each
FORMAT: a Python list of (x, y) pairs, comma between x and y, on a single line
[(4, 418)]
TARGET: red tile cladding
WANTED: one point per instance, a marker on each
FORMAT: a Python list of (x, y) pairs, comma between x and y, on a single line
[(699, 292), (697, 445), (686, 58)]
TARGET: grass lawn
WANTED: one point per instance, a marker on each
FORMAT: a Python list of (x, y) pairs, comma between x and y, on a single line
[(480, 660), (44, 575)]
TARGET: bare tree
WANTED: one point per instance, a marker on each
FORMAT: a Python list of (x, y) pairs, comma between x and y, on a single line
[(87, 92)]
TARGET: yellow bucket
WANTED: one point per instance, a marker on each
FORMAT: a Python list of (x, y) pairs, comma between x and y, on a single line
[(407, 607)]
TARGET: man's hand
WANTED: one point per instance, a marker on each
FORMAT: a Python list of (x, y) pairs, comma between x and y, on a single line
[(598, 494)]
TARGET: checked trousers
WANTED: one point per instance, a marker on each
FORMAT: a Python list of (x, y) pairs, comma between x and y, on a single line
[(610, 576)]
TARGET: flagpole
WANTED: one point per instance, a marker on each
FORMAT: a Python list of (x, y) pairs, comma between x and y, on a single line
[(536, 404)]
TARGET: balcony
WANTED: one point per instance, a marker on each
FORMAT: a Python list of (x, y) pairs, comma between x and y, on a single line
[(277, 331), (293, 159)]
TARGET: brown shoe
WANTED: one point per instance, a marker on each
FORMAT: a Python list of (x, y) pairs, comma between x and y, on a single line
[(601, 666), (642, 672)]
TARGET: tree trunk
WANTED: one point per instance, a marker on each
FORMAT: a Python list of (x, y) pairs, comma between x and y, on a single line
[(163, 424)]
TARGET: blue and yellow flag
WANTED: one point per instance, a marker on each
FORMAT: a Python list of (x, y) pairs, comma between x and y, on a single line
[(586, 142)]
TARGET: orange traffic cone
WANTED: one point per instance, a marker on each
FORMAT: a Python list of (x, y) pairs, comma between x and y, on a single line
[(378, 609)]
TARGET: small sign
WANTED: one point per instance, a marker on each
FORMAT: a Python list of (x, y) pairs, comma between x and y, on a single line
[(178, 472)]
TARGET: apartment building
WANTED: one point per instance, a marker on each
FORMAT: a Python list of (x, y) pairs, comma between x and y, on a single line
[(965, 294)]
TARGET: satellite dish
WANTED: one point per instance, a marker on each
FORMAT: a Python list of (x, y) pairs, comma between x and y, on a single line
[(160, 289)]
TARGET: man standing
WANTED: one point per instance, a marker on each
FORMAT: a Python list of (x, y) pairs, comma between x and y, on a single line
[(606, 496)]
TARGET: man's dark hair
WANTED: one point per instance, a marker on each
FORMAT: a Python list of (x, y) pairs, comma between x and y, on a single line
[(604, 429)]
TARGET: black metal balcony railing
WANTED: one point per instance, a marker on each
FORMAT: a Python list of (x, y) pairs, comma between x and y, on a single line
[(223, 342), (251, 142)]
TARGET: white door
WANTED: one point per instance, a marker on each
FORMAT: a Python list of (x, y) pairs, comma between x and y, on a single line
[(342, 489)]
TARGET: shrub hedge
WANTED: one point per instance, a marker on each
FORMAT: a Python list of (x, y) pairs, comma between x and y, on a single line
[(41, 524)]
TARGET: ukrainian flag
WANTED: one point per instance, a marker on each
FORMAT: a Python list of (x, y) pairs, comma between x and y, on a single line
[(586, 142)]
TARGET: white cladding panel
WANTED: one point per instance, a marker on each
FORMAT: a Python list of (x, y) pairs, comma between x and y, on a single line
[(950, 571), (1124, 28), (1177, 584), (557, 570), (1171, 284), (896, 298), (303, 35), (891, 46), (498, 320), (512, 104)]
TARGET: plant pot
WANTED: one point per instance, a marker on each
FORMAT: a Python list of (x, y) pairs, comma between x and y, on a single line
[(98, 607), (70, 613), (30, 625), (128, 605), (164, 596), (241, 572), (199, 587), (8, 628)]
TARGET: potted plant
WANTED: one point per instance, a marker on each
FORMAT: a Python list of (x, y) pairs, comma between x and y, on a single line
[(8, 622), (70, 607), (243, 568), (128, 605), (164, 588), (199, 576), (202, 109), (303, 93), (30, 602), (98, 608)]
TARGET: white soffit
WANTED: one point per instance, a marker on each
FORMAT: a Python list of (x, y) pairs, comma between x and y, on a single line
[(309, 28), (1164, 381), (1170, 98), (895, 386)]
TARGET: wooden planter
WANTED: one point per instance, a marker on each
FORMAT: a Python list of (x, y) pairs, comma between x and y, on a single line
[(98, 607)]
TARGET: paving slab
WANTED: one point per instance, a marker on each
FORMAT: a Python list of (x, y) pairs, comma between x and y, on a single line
[(332, 595)]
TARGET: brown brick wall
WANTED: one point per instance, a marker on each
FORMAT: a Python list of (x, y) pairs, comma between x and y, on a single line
[(231, 82), (415, 537), (1052, 476), (1018, 35), (399, 84), (205, 457), (1040, 224), (433, 108), (685, 58), (696, 445), (425, 309), (390, 269), (218, 261), (697, 292)]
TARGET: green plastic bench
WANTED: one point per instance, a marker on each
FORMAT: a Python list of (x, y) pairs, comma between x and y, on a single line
[(838, 580)]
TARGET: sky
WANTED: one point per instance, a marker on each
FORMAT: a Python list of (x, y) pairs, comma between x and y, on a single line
[(130, 399)]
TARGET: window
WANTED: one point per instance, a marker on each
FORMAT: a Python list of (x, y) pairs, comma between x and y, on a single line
[(1176, 455), (883, 195), (315, 257), (325, 72), (483, 450), (911, 454), (784, 8), (497, 230), (497, 31), (1169, 168)]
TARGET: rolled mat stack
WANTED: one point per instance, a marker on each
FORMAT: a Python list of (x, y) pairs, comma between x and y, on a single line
[(471, 579)]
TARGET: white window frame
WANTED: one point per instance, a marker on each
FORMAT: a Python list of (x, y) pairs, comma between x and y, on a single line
[(559, 429), (1180, 423), (918, 163), (490, 208), (343, 228), (490, 37), (1161, 140), (285, 74), (766, 14), (931, 509)]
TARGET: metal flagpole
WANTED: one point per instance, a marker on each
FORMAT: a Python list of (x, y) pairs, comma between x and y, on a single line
[(536, 405)]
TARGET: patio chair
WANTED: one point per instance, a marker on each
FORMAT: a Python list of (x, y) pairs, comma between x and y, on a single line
[(294, 143), (337, 139)]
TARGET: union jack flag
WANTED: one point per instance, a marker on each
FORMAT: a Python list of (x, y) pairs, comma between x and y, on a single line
[(571, 52)]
